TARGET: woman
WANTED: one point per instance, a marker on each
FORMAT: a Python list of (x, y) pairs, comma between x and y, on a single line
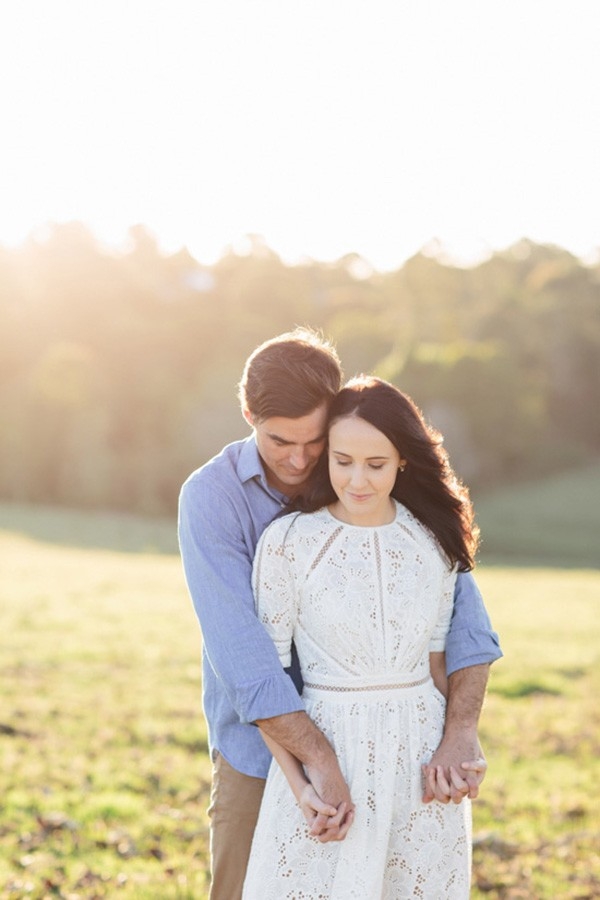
[(363, 584)]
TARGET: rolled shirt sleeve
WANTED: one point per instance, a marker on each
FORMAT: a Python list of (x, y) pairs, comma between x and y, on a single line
[(471, 640), (217, 563)]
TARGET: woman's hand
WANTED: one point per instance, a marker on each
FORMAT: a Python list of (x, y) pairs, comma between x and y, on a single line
[(314, 810), (325, 822), (338, 826)]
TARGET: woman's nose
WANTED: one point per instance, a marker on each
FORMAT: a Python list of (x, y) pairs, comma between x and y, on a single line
[(357, 477)]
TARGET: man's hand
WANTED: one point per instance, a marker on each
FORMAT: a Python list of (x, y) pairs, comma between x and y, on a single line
[(325, 822), (337, 826), (300, 737), (314, 809), (456, 769), (328, 782), (458, 766)]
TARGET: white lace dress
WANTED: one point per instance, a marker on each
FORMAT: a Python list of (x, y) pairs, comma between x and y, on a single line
[(365, 606)]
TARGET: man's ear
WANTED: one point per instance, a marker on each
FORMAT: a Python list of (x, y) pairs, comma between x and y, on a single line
[(248, 417)]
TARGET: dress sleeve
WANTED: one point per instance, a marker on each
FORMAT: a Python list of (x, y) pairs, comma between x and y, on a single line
[(437, 643), (275, 589)]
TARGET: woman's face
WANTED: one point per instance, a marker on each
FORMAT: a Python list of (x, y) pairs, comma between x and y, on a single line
[(363, 464)]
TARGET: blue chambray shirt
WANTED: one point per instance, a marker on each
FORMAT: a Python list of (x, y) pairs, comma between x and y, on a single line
[(223, 509)]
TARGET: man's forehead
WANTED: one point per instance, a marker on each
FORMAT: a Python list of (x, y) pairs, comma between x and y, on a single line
[(304, 430)]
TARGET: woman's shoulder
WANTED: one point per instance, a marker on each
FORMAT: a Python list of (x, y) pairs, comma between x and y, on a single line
[(296, 524), (411, 526)]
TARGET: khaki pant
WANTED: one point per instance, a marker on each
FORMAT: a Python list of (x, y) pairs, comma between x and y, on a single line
[(233, 811)]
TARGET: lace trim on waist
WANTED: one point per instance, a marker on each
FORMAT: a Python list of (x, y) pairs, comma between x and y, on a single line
[(368, 687)]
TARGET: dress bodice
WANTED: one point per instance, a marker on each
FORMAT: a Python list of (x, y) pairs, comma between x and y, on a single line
[(359, 602)]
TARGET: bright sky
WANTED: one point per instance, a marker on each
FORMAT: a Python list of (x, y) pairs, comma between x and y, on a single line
[(326, 126)]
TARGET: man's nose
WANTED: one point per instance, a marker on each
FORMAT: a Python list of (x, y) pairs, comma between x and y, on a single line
[(299, 457)]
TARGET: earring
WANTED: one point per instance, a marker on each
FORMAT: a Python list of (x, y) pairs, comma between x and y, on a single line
[(402, 467)]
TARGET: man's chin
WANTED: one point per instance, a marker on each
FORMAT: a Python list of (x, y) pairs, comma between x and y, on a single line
[(294, 480)]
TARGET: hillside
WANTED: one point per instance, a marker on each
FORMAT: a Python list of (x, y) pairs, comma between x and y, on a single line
[(553, 522)]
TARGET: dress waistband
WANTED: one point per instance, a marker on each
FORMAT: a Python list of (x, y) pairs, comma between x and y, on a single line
[(368, 687)]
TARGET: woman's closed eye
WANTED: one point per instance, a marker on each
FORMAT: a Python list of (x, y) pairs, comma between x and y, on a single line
[(344, 463)]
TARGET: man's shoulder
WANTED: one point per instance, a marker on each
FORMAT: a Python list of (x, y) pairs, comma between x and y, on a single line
[(218, 475)]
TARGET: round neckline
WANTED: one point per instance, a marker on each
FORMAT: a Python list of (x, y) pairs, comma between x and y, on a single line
[(365, 527)]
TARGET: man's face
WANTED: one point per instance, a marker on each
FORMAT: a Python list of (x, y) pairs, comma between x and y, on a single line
[(290, 448)]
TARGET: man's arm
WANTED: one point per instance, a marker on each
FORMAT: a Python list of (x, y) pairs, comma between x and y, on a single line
[(457, 768), (326, 822), (218, 565)]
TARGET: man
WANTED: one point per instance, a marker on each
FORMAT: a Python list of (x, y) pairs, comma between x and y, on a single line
[(224, 508)]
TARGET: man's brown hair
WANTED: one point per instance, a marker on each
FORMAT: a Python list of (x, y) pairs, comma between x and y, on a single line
[(290, 376)]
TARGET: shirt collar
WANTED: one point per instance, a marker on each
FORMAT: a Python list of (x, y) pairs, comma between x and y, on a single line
[(249, 463), (250, 466)]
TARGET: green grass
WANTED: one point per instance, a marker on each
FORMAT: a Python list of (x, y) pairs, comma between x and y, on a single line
[(105, 775), (537, 822), (104, 779)]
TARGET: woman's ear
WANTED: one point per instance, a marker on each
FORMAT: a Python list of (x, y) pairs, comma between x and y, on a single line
[(248, 417)]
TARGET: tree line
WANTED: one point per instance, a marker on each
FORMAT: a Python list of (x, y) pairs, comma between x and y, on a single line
[(118, 371)]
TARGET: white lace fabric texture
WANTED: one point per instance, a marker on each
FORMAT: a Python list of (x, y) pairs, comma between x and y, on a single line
[(364, 606)]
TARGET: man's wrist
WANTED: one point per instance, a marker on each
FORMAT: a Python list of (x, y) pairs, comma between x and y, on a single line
[(460, 730), (321, 754), (298, 734), (466, 692)]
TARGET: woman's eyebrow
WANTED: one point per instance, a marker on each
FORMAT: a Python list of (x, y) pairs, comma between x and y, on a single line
[(348, 456)]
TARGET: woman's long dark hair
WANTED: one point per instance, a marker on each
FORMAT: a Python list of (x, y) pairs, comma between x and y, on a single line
[(427, 486)]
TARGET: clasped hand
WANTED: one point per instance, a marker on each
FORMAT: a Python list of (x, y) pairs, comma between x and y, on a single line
[(447, 778), (326, 822), (444, 782)]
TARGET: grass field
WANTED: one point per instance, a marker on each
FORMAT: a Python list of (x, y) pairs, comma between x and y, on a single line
[(104, 778)]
